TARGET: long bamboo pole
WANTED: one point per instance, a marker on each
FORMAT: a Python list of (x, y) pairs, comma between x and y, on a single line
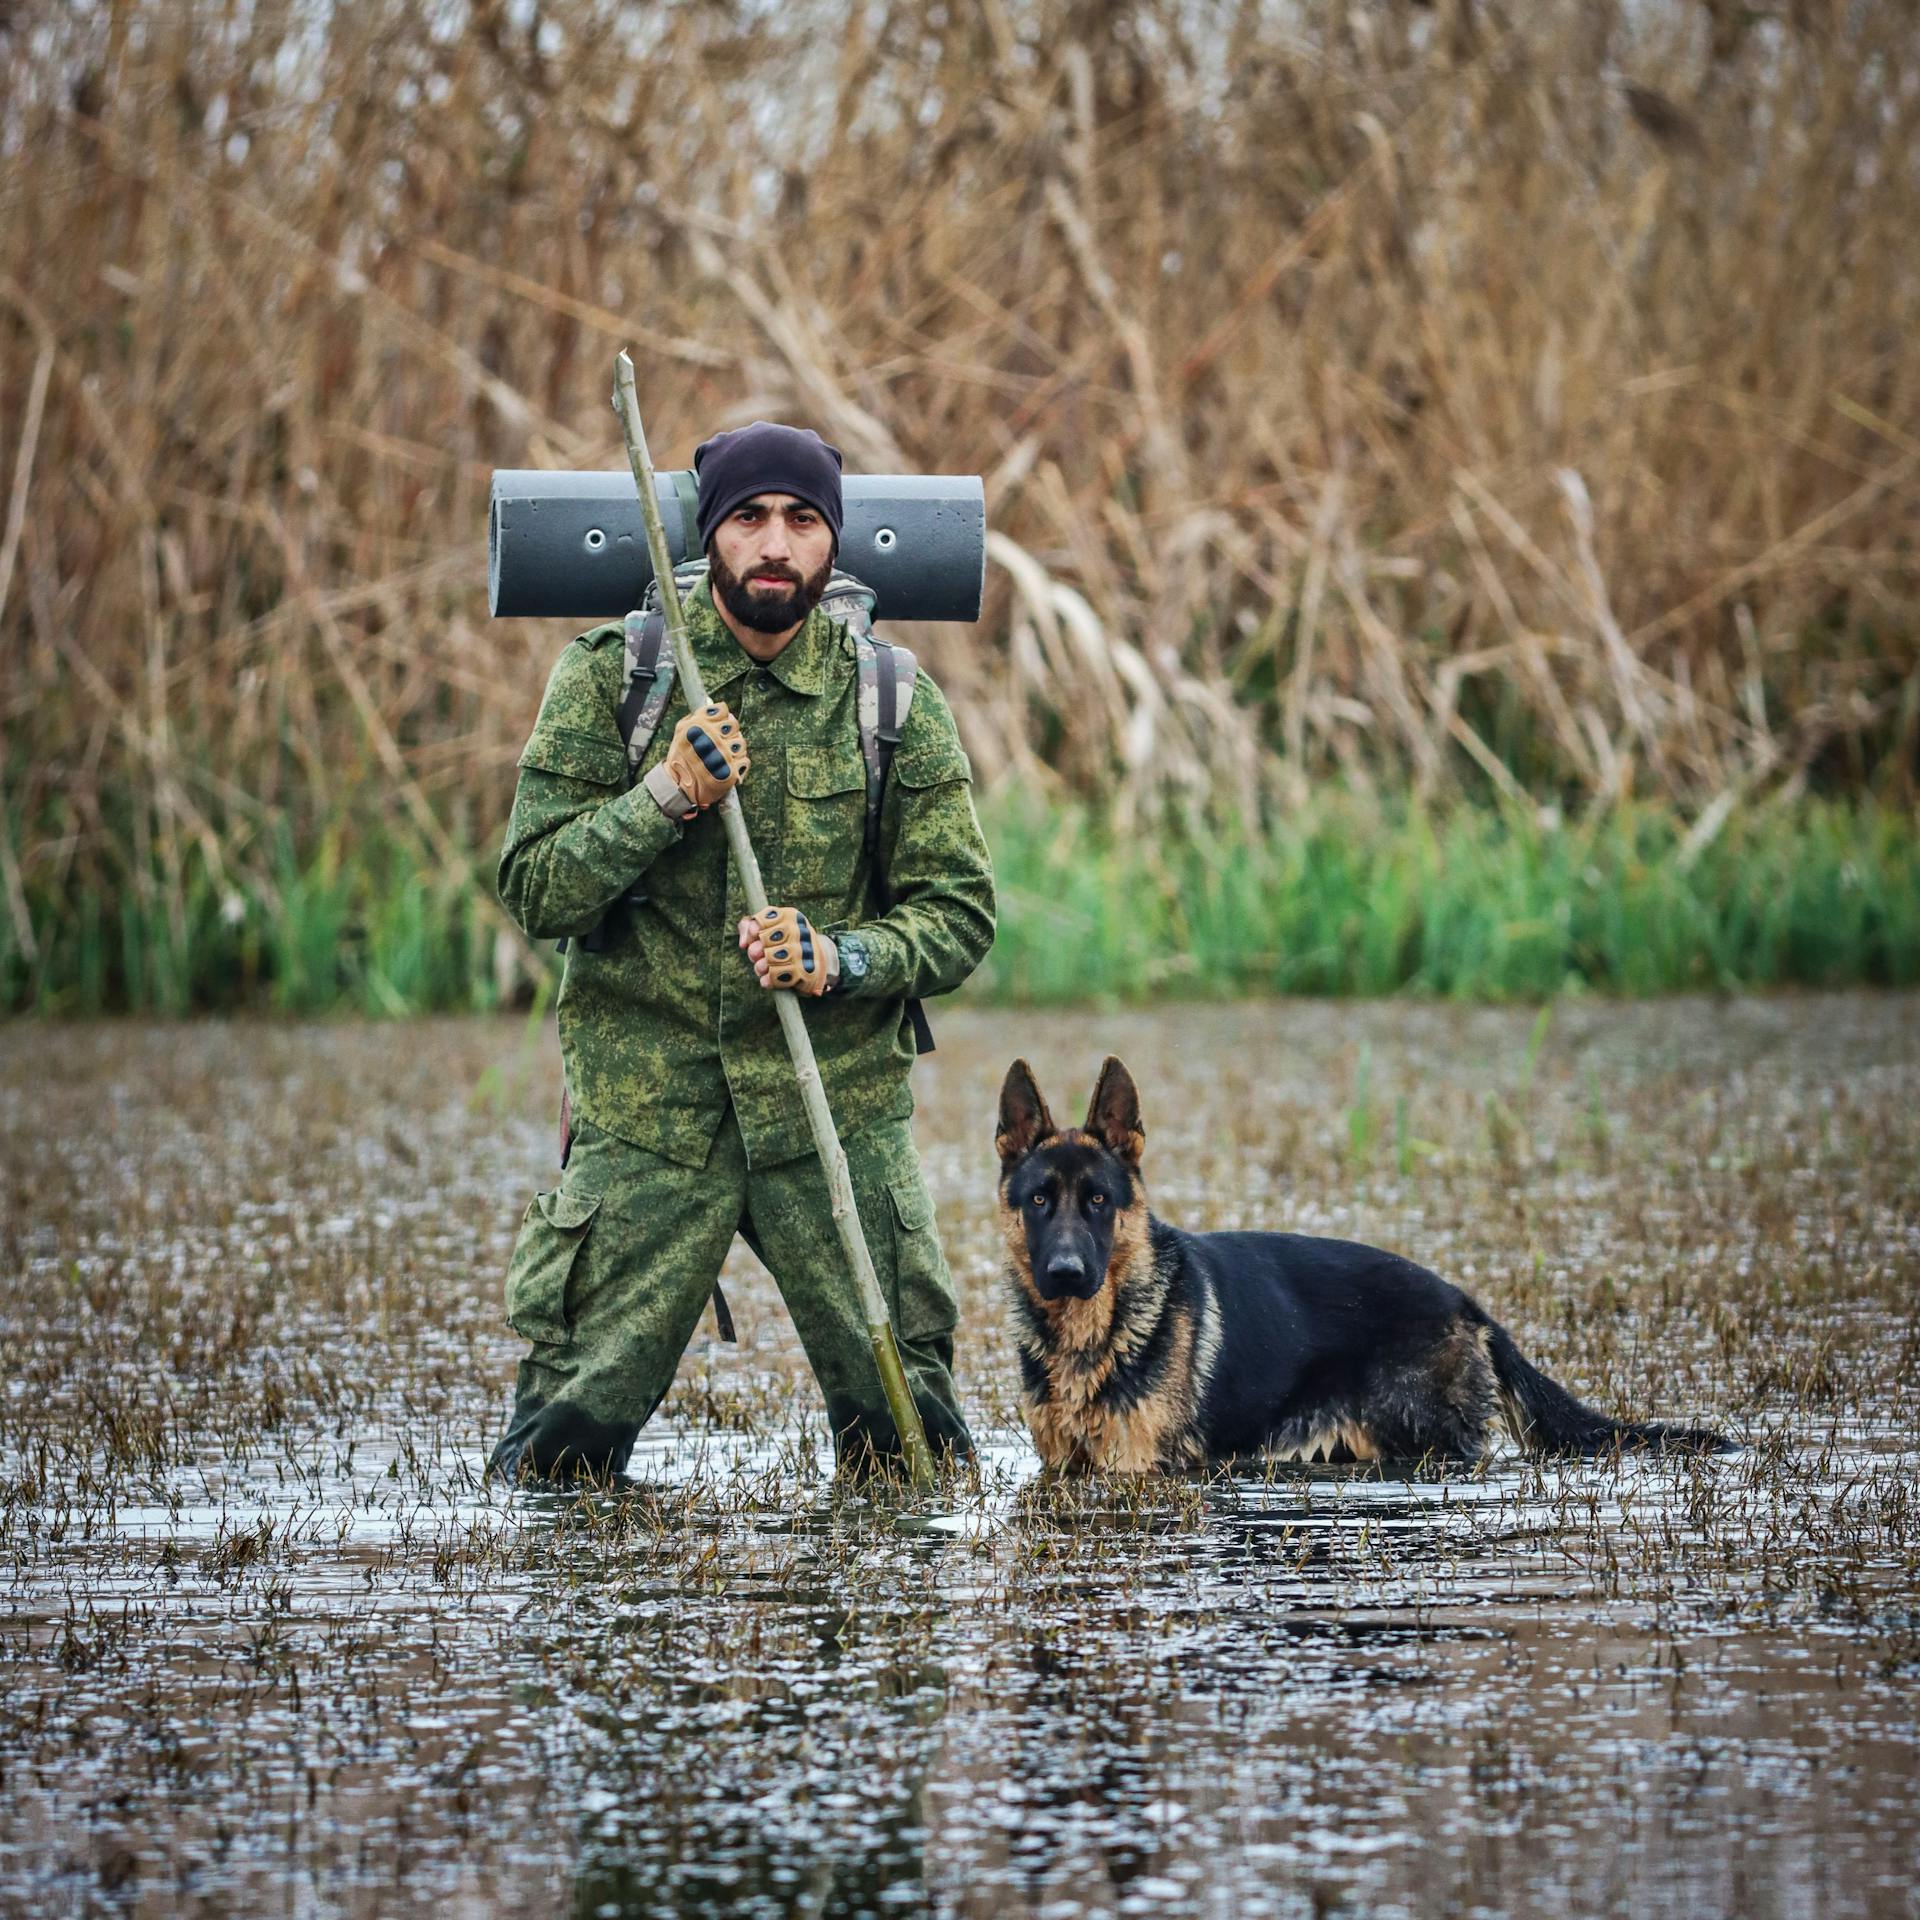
[(918, 1459)]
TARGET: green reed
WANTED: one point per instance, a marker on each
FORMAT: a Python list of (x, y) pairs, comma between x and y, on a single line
[(1474, 903), (1346, 898), (353, 925)]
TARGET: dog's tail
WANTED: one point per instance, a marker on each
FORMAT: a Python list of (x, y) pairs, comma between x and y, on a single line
[(1545, 1418)]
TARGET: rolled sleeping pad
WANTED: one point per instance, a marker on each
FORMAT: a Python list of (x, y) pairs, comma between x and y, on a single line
[(571, 545)]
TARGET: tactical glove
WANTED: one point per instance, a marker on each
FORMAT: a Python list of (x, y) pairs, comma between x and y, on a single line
[(788, 951), (708, 757)]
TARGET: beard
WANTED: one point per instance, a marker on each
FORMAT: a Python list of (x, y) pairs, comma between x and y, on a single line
[(761, 608)]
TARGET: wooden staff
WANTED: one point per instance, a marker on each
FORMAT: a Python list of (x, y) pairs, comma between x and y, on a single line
[(846, 1216)]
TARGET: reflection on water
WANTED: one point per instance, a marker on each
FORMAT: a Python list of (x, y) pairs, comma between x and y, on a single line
[(269, 1645)]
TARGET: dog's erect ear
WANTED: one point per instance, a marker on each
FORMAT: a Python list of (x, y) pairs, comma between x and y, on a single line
[(1113, 1115), (1024, 1119)]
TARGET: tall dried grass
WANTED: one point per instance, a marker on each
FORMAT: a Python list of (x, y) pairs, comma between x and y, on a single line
[(1460, 396)]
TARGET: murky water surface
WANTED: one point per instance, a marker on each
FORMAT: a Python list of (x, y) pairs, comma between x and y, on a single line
[(267, 1645)]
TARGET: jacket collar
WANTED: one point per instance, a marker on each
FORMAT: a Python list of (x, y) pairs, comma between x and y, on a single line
[(800, 666)]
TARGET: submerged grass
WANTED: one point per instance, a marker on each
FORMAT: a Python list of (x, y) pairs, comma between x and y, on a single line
[(262, 1631), (1343, 897)]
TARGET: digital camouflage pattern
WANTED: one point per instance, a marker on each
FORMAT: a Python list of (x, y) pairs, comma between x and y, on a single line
[(688, 1120), (613, 1266), (667, 1026)]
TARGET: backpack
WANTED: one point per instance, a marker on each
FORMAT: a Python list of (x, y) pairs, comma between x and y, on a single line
[(886, 674)]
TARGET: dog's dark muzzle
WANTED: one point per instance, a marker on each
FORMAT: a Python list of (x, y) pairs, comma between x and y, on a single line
[(1069, 1276)]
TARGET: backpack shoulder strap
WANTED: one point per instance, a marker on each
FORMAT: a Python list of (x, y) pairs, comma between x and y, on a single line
[(898, 668), (649, 682), (649, 672), (885, 694), (882, 698), (643, 699)]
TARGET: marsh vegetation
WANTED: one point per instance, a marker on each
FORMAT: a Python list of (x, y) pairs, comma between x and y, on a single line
[(266, 1643), (1479, 405)]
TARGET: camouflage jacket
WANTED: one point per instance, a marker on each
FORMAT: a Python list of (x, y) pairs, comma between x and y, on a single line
[(668, 1024)]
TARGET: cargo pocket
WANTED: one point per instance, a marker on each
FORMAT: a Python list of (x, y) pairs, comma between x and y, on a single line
[(551, 1236), (923, 1303)]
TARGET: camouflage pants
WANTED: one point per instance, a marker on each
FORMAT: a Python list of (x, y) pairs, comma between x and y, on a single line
[(612, 1268)]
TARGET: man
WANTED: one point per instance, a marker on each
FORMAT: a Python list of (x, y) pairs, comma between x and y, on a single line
[(688, 1124)]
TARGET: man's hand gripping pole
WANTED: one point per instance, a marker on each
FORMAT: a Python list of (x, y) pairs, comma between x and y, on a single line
[(846, 1218)]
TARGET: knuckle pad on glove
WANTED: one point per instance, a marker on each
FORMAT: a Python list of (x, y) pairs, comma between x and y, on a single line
[(711, 757), (792, 948), (709, 753)]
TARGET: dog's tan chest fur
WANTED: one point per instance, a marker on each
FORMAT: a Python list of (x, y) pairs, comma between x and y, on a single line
[(1076, 1426), (1092, 1405)]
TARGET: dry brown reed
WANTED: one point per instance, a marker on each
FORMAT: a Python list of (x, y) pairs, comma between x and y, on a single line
[(1446, 395)]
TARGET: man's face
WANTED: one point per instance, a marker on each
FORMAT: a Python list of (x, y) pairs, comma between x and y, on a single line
[(771, 559)]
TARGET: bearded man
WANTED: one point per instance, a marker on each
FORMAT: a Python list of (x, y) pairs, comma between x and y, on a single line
[(688, 1124)]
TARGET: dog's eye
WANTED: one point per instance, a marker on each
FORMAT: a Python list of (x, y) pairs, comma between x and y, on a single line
[(1096, 1199), (1038, 1202)]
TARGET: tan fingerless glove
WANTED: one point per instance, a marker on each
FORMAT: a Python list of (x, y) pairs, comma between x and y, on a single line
[(708, 756), (798, 954)]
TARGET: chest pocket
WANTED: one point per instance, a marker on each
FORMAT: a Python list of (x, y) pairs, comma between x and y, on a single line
[(826, 820)]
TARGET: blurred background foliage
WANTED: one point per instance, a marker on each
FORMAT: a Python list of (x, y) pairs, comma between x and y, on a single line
[(1430, 434)]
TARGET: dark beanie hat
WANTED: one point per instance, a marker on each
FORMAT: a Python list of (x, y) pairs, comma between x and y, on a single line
[(765, 458)]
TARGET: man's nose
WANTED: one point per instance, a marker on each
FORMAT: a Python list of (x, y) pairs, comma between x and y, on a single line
[(774, 544)]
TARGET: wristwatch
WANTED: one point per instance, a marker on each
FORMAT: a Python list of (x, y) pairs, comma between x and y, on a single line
[(853, 961)]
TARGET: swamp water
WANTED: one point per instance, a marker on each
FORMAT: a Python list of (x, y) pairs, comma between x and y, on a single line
[(267, 1645)]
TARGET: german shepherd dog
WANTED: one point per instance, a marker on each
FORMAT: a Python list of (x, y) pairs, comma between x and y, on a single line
[(1144, 1348)]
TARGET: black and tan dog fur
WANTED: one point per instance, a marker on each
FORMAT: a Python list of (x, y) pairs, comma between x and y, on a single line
[(1145, 1348)]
